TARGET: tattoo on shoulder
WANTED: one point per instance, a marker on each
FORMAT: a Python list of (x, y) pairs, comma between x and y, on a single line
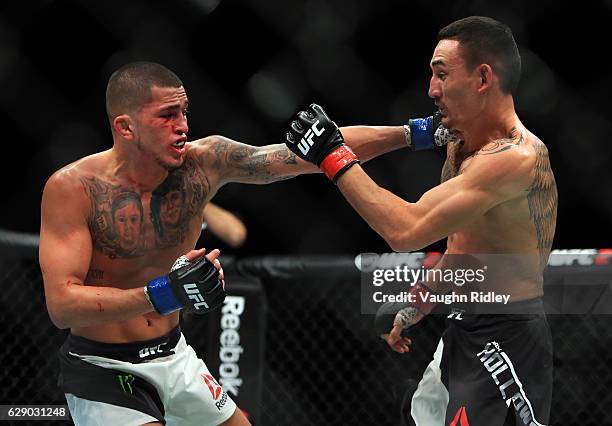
[(220, 148), (117, 218), (454, 164), (514, 138), (542, 201), (493, 148)]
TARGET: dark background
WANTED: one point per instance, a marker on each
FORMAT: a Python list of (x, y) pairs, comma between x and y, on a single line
[(249, 65)]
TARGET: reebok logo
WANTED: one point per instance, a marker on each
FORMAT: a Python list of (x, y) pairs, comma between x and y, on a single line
[(230, 348), (460, 418), (218, 394), (213, 386), (306, 142), (194, 294)]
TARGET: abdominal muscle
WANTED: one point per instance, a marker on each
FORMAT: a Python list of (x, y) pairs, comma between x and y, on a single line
[(142, 327), (126, 274), (517, 272)]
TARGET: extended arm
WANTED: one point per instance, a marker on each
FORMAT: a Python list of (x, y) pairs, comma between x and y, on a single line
[(443, 210), (368, 142), (233, 161), (500, 175), (237, 162)]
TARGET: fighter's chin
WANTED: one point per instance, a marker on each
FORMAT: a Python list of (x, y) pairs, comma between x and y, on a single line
[(171, 164), (449, 123)]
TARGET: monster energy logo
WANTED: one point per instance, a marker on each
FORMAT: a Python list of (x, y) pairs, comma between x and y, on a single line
[(126, 380)]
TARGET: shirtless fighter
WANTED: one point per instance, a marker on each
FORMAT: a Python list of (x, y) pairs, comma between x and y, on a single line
[(114, 221), (498, 195)]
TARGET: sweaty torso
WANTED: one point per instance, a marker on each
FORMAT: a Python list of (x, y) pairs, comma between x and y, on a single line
[(137, 235), (518, 232)]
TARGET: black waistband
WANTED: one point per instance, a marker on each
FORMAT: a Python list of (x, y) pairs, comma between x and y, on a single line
[(475, 314), (133, 352), (529, 306)]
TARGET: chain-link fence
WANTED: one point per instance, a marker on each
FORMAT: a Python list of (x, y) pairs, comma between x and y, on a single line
[(323, 364)]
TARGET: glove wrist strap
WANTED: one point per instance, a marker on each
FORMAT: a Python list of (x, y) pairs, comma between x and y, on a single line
[(161, 296), (419, 133), (338, 161), (417, 309)]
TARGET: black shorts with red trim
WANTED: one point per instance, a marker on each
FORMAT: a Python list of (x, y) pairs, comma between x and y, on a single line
[(498, 368)]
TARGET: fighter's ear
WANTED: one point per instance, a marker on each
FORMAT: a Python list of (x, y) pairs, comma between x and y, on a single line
[(124, 126), (485, 74)]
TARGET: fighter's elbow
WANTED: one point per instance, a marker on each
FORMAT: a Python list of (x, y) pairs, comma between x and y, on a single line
[(60, 308), (399, 245), (58, 317), (402, 241), (396, 241)]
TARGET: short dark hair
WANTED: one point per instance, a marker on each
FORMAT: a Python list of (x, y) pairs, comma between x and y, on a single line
[(130, 86), (485, 40)]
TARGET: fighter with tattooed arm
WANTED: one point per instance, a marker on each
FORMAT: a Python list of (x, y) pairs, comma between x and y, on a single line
[(114, 223), (497, 196)]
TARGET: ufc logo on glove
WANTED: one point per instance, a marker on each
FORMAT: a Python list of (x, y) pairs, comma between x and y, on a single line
[(184, 287), (306, 142), (328, 152), (194, 293)]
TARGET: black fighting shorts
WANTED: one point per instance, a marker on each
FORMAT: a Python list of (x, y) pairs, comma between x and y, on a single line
[(498, 368), (489, 370)]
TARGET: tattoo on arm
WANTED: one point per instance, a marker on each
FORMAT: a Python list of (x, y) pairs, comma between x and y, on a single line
[(542, 201), (253, 164), (285, 156)]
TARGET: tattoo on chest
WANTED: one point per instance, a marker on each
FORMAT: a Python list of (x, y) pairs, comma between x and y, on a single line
[(94, 275), (117, 218), (173, 203), (515, 138), (542, 201), (118, 221), (450, 169)]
